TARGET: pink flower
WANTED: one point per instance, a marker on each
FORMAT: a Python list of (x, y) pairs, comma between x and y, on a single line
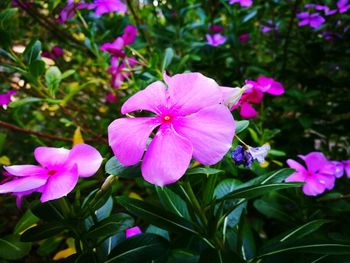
[(268, 85), (111, 97), (343, 6), (314, 20), (55, 52), (268, 26), (318, 176), (254, 94), (214, 29), (116, 47), (215, 40), (5, 98), (120, 71), (57, 174), (191, 120), (133, 231), (346, 165), (107, 6), (68, 11), (245, 3), (244, 38)]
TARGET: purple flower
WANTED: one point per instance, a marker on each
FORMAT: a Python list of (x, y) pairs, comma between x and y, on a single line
[(269, 25), (68, 11), (133, 231), (5, 98), (55, 52), (130, 33), (179, 106), (241, 156), (245, 3), (259, 153), (244, 38), (318, 176), (111, 97), (107, 6), (268, 85), (343, 6), (215, 40), (214, 29), (346, 165), (315, 20), (57, 174), (120, 71)]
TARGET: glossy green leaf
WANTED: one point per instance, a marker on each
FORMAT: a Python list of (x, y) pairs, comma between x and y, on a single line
[(168, 57), (41, 232), (25, 101), (113, 166), (170, 200), (204, 170), (110, 225), (11, 248), (49, 211), (142, 247), (241, 126), (37, 67), (271, 210), (26, 221), (53, 77), (156, 215), (32, 51), (6, 16)]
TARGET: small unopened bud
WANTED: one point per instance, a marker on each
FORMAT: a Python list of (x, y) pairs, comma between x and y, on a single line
[(108, 182)]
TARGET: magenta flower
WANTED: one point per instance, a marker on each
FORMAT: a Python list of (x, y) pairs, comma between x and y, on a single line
[(214, 29), (269, 25), (268, 85), (133, 231), (57, 174), (215, 40), (107, 6), (130, 33), (120, 71), (190, 99), (5, 98), (55, 52), (68, 11), (244, 38), (346, 165), (318, 176), (111, 97), (244, 3), (315, 20), (343, 6)]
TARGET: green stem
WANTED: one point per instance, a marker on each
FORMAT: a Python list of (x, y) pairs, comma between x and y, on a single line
[(65, 207)]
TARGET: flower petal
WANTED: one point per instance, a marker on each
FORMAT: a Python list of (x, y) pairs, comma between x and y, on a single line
[(314, 161), (190, 92), (128, 138), (51, 157), (60, 184), (313, 187), (296, 177), (167, 158), (153, 98), (23, 184), (327, 180), (87, 159), (231, 96), (210, 131), (247, 111), (25, 170), (296, 166)]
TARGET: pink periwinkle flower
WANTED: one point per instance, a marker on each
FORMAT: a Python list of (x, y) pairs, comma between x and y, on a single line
[(57, 174), (215, 40), (254, 94), (6, 98), (55, 53), (318, 175), (192, 121), (315, 20), (268, 26), (244, 38), (111, 97), (120, 70), (115, 48), (343, 6), (214, 29), (108, 6), (133, 231), (244, 3)]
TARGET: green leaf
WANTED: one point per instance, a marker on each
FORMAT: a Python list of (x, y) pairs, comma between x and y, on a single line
[(204, 170), (67, 73), (37, 67), (49, 211), (23, 102), (249, 16), (271, 210), (95, 201), (32, 51), (173, 202), (241, 126), (225, 187), (113, 166), (11, 248), (6, 16), (182, 256), (156, 215), (143, 246), (257, 190), (168, 57), (53, 78), (110, 225), (313, 247), (26, 221), (245, 244), (43, 231)]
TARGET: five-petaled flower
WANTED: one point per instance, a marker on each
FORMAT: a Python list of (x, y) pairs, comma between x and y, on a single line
[(315, 20), (192, 121), (5, 98), (216, 39), (244, 3), (107, 6), (57, 174), (318, 176)]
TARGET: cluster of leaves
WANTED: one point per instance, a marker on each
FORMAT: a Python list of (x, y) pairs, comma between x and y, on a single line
[(220, 214)]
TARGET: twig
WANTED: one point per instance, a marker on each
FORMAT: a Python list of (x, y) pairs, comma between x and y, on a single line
[(40, 134)]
